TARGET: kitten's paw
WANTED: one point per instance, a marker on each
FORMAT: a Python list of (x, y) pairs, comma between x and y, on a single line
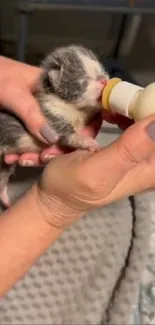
[(77, 141), (91, 145), (4, 199)]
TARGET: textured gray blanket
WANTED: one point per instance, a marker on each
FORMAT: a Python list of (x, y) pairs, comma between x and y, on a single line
[(91, 275)]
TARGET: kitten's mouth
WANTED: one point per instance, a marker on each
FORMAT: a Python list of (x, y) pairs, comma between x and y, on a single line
[(104, 83)]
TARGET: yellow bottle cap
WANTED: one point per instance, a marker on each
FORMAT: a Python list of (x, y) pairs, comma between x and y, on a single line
[(107, 91)]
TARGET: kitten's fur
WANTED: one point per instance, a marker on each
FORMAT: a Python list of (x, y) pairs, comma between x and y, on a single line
[(70, 86)]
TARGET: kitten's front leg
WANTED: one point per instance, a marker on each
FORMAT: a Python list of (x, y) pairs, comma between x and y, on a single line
[(5, 173), (78, 141), (68, 136)]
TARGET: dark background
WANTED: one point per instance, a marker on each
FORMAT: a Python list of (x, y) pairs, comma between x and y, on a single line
[(97, 30)]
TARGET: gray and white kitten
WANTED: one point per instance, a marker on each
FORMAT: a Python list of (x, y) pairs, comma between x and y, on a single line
[(70, 86)]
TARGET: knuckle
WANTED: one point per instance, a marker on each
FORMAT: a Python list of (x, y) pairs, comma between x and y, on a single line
[(147, 172), (127, 154), (30, 113), (90, 184), (150, 165), (31, 110)]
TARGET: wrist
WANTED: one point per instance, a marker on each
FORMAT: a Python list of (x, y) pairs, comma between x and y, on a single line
[(55, 211), (37, 214)]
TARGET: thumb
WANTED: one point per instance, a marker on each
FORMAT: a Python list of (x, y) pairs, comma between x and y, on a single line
[(108, 167), (23, 104), (83, 180)]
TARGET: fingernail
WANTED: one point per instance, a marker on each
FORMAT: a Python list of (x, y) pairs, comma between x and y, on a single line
[(150, 129), (28, 163), (48, 157), (49, 134)]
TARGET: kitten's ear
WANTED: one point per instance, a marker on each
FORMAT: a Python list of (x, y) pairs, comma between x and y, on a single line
[(47, 83), (55, 63)]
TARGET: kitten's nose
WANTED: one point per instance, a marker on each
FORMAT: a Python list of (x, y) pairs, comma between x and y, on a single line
[(101, 80)]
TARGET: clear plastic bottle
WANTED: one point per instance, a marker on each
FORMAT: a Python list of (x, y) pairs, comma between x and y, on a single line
[(128, 99)]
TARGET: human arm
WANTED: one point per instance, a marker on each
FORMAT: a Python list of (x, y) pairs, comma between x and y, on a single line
[(70, 186), (24, 236)]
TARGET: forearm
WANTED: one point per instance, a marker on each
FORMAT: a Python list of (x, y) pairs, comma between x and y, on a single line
[(24, 236)]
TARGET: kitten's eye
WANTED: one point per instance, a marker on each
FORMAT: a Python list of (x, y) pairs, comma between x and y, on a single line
[(47, 84), (56, 66)]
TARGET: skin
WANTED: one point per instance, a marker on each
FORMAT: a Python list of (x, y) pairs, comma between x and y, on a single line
[(61, 197), (18, 83)]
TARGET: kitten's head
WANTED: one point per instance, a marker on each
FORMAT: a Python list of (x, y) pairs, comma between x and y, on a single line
[(74, 74)]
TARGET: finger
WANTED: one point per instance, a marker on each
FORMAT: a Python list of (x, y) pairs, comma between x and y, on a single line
[(35, 159), (139, 179), (30, 73), (108, 167), (11, 158), (93, 128), (21, 102), (54, 151), (109, 117), (26, 159), (122, 121), (50, 153), (29, 160)]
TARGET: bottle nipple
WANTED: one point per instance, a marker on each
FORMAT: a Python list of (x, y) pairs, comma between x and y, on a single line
[(118, 95), (111, 83)]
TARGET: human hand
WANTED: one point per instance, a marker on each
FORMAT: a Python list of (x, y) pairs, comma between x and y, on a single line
[(18, 84), (91, 130), (75, 183)]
